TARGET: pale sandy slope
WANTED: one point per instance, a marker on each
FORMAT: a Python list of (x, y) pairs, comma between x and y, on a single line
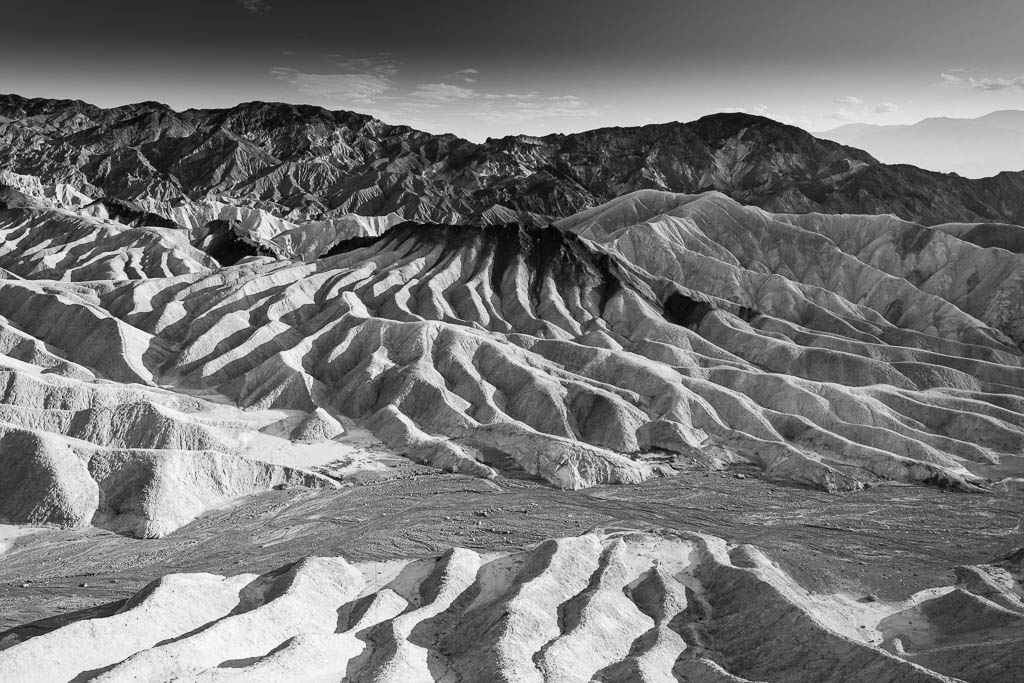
[(611, 605), (76, 449), (463, 345), (71, 231), (655, 330), (54, 244)]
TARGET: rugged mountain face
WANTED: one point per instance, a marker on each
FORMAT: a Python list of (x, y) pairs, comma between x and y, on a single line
[(302, 163)]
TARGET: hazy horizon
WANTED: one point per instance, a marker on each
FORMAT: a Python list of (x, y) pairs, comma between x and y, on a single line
[(393, 121), (486, 70)]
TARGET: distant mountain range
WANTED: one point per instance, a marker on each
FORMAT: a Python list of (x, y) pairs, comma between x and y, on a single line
[(975, 148), (308, 163)]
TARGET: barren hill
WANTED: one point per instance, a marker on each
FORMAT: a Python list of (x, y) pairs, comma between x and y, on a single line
[(304, 162), (653, 331)]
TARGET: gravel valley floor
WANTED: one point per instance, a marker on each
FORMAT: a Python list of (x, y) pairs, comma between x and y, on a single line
[(889, 541)]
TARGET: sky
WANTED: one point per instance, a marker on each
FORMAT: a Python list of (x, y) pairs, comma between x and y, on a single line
[(486, 68)]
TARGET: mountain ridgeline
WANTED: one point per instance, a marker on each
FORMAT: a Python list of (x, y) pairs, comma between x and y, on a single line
[(303, 163)]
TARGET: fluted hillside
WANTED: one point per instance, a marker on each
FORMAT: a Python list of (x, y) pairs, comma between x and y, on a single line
[(610, 605), (635, 338)]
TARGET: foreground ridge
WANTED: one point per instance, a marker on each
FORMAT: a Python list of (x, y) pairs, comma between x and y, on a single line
[(610, 605)]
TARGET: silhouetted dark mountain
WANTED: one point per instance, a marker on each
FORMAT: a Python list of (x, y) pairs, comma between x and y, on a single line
[(308, 162)]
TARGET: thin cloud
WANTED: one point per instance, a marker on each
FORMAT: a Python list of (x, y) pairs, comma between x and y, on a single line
[(983, 84), (886, 108), (849, 99), (359, 82), (563, 105), (511, 95), (842, 115), (381, 65), (442, 92), (997, 83), (521, 107), (255, 6), (371, 86), (360, 89)]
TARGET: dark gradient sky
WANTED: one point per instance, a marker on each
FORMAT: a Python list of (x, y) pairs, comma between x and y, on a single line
[(491, 68)]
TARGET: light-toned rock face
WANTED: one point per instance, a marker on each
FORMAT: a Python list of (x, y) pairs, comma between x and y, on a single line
[(295, 239), (462, 346), (55, 244), (87, 438), (654, 331), (52, 232), (610, 605)]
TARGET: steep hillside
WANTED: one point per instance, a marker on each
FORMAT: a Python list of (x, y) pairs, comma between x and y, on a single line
[(650, 334), (302, 163)]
